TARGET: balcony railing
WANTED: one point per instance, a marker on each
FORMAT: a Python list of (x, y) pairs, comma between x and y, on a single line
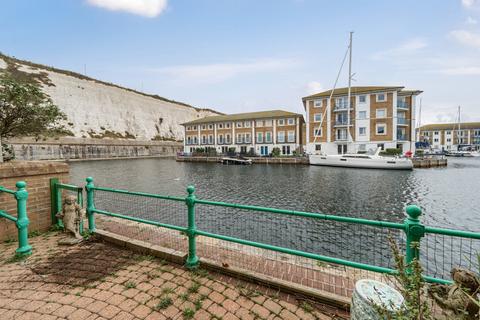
[(341, 137), (402, 137), (340, 107), (403, 121), (402, 105)]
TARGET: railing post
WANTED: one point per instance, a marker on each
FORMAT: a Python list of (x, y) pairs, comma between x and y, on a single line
[(192, 259), (90, 205), (22, 219), (414, 231)]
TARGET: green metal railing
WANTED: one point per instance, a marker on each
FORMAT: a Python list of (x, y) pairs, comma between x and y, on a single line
[(412, 228), (21, 221)]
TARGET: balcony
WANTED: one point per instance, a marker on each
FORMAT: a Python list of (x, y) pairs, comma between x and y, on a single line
[(341, 123), (402, 105), (402, 137), (341, 107), (402, 122)]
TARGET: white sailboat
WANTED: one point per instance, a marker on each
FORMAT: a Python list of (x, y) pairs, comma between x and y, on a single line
[(373, 161)]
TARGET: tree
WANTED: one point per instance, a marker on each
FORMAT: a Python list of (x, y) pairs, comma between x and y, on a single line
[(26, 111)]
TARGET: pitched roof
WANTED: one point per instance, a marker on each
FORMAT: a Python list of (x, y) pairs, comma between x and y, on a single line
[(360, 90), (451, 126), (245, 116)]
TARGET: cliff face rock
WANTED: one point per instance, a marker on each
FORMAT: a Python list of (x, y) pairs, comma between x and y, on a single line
[(97, 109)]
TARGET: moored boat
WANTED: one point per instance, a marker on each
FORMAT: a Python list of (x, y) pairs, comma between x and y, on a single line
[(366, 161)]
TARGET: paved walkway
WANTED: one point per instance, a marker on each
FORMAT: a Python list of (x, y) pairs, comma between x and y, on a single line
[(95, 280)]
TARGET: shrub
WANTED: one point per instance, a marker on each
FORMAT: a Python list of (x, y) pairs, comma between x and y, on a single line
[(276, 152)]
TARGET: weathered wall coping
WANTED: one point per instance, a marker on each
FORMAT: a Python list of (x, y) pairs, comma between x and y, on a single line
[(13, 169), (91, 141)]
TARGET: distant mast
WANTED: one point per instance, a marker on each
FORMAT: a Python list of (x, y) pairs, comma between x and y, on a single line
[(349, 88), (458, 131)]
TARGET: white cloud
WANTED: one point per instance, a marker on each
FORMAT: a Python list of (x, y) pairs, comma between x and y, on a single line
[(471, 21), (314, 87), (461, 71), (468, 3), (146, 8), (218, 72), (466, 38), (409, 47)]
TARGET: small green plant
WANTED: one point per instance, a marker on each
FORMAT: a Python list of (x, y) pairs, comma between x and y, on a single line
[(184, 296), (9, 240), (164, 303), (194, 287), (188, 313), (167, 290), (130, 285), (16, 258), (34, 234), (307, 307), (276, 152)]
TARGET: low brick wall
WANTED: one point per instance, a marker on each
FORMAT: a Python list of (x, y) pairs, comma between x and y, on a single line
[(37, 175)]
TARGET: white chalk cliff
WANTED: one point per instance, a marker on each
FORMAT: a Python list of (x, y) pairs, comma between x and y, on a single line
[(96, 109)]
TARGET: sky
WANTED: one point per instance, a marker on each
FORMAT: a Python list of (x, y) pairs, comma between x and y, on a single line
[(249, 55)]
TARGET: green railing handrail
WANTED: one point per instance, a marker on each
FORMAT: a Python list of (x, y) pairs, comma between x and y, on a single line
[(21, 221), (321, 216), (70, 187), (412, 227), (143, 194), (3, 189), (5, 215)]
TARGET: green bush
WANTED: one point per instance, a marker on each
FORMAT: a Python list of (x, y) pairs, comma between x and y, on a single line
[(391, 152), (276, 152)]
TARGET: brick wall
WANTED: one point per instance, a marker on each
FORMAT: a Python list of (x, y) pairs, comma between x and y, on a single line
[(37, 176)]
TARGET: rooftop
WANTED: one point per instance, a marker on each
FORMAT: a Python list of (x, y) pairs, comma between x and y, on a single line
[(360, 90), (451, 126), (245, 116)]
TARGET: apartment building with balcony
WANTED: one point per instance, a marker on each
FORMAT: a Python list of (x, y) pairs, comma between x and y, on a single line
[(253, 132), (447, 136), (379, 116)]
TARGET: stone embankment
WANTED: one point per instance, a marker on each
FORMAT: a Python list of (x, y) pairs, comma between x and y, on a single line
[(92, 149)]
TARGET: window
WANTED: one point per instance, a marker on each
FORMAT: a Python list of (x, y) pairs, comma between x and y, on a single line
[(291, 136), (239, 124), (195, 141), (285, 149), (381, 97), (189, 140), (402, 102), (281, 122), (259, 123), (220, 126), (436, 133), (341, 103), (259, 137), (362, 115), (194, 127), (268, 137), (210, 126), (268, 123), (204, 139), (449, 132), (220, 139), (449, 140), (317, 103), (204, 127), (227, 138), (362, 99), (248, 138), (318, 147), (362, 131), (239, 138), (317, 132), (189, 128), (381, 146), (381, 113), (247, 124), (281, 136), (381, 129), (435, 140), (210, 139), (317, 117), (291, 121), (476, 133), (227, 125)]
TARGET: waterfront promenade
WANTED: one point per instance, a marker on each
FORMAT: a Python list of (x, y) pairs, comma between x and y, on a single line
[(96, 280)]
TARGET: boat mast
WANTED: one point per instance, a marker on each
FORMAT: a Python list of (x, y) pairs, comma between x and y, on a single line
[(349, 88), (458, 131)]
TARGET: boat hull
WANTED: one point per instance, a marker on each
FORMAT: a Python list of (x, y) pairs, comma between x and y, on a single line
[(372, 163)]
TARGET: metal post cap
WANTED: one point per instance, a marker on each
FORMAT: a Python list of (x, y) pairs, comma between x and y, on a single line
[(413, 211), (89, 179), (21, 184), (190, 190)]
